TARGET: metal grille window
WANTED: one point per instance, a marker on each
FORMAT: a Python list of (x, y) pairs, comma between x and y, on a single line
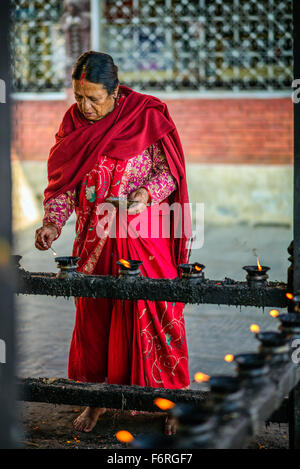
[(38, 46), (199, 45)]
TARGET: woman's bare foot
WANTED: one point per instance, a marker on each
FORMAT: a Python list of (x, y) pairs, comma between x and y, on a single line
[(170, 425), (88, 419)]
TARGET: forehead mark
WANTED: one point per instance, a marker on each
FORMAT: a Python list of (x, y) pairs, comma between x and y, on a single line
[(82, 75)]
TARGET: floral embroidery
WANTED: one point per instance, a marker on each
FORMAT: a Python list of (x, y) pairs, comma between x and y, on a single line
[(90, 193), (149, 169), (59, 209), (168, 340)]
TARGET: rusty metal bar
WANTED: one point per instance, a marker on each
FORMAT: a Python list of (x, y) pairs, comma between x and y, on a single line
[(175, 290)]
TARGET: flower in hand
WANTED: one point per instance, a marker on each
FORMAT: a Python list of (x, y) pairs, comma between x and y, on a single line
[(140, 196)]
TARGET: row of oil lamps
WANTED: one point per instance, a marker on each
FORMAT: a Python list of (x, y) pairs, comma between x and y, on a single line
[(197, 426), (256, 275), (67, 265)]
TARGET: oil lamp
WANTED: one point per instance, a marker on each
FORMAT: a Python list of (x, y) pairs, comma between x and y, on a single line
[(196, 426), (67, 266), (274, 344), (290, 323), (256, 274), (227, 395), (191, 271), (296, 301), (252, 367), (130, 268)]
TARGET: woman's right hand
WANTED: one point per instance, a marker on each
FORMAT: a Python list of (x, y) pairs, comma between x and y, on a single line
[(45, 236)]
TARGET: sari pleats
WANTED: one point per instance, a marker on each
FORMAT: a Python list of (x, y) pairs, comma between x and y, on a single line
[(126, 341)]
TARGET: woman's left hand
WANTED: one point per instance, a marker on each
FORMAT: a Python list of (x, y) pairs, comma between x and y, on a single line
[(141, 197)]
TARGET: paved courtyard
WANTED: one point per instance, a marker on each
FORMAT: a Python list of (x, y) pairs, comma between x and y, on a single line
[(45, 324), (45, 327)]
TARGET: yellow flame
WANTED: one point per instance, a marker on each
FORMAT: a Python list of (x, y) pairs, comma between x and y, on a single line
[(198, 268), (254, 328), (125, 263), (124, 436), (289, 296), (201, 377), (229, 357), (164, 404), (258, 264), (274, 313)]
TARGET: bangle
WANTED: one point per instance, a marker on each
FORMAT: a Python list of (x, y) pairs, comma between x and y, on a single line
[(149, 194)]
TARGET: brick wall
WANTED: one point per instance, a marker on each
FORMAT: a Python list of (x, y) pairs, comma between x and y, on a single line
[(34, 126), (248, 131), (251, 131)]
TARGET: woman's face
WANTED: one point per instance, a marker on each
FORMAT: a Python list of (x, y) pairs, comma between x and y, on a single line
[(93, 99)]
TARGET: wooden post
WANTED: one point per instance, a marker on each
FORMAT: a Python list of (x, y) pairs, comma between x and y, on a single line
[(294, 396), (7, 350)]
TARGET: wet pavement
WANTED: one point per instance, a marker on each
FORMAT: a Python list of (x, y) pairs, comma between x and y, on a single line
[(45, 324)]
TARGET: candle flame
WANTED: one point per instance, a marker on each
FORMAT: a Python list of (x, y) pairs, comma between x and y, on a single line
[(274, 313), (54, 253), (164, 404), (229, 357), (254, 328), (289, 296), (201, 377), (198, 268), (258, 264), (124, 436), (125, 263)]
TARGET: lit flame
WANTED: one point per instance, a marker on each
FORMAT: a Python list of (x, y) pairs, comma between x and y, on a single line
[(274, 313), (254, 328), (258, 264), (164, 404), (125, 263), (289, 296), (229, 357), (198, 268), (124, 436), (201, 377)]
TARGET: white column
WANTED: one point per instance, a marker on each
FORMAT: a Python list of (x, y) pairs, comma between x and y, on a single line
[(95, 24)]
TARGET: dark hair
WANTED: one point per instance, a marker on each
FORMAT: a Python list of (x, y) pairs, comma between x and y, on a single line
[(99, 68)]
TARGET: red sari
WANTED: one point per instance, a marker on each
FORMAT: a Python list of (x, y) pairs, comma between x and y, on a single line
[(123, 342)]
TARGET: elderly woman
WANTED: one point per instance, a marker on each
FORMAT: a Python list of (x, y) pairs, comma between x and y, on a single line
[(115, 142)]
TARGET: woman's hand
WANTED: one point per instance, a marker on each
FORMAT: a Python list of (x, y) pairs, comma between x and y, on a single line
[(141, 197), (45, 236)]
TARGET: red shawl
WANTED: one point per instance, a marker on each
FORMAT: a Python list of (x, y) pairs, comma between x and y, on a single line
[(136, 123)]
